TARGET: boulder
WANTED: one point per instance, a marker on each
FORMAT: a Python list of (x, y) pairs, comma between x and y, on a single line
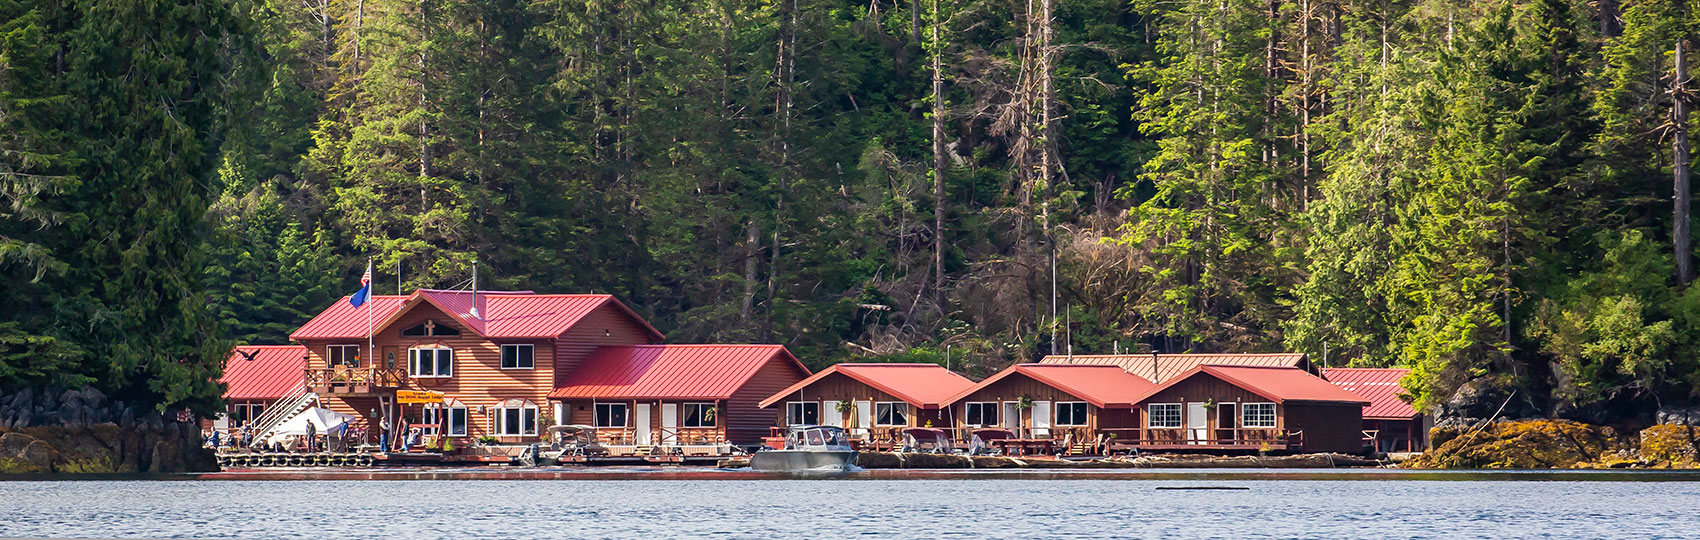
[(1524, 444), (21, 453), (1671, 445)]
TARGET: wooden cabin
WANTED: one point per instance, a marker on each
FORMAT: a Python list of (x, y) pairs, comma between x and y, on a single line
[(1388, 419), (1249, 408), (1162, 367), (255, 378), (873, 402), (1051, 401), (699, 398)]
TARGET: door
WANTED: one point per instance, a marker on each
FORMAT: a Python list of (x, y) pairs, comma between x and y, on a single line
[(669, 423), (864, 417), (640, 425), (1041, 419), (1197, 422), (830, 415), (1226, 422), (1012, 417)]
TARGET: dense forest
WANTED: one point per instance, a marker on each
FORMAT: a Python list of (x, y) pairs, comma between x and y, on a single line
[(1492, 193)]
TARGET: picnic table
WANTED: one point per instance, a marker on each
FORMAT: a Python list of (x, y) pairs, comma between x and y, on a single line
[(1025, 445)]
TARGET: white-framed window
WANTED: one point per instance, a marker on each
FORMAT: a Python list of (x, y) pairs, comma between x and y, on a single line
[(455, 420), (1257, 415), (1163, 415), (342, 355), (891, 413), (610, 415), (802, 412), (516, 417), (241, 413), (1071, 413), (430, 362), (519, 356), (698, 415), (980, 413)]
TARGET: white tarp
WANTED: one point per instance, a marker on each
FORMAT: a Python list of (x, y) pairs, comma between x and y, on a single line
[(324, 421)]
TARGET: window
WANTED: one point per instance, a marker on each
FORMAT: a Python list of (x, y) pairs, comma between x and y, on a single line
[(1257, 415), (342, 355), (699, 415), (456, 419), (1163, 415), (430, 362), (242, 413), (802, 412), (516, 417), (979, 414), (891, 413), (518, 357), (610, 415), (1071, 413)]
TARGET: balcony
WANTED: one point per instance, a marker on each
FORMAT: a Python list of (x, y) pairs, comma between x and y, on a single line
[(351, 381)]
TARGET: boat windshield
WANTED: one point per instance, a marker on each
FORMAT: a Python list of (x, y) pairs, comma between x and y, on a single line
[(814, 437), (834, 438)]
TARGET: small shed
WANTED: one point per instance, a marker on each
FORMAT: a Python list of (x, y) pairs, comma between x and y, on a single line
[(257, 376), (1388, 418)]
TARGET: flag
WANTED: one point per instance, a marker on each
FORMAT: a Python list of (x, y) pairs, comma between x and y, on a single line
[(365, 293)]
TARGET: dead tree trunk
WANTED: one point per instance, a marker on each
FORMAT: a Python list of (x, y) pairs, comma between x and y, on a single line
[(1679, 149), (938, 164)]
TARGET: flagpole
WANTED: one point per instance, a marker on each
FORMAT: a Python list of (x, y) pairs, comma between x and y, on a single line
[(371, 351)]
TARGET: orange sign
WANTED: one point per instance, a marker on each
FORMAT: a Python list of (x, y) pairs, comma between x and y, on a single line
[(412, 396)]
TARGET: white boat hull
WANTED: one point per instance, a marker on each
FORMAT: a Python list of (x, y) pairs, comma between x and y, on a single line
[(803, 460)]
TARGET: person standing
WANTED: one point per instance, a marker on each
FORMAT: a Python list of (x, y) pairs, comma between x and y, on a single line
[(312, 437), (384, 434)]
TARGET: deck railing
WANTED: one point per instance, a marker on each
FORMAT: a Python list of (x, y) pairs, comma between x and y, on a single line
[(351, 380), (1220, 437)]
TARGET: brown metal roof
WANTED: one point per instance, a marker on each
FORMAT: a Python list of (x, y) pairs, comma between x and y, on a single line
[(1103, 386), (927, 386), (502, 314), (1167, 366), (1378, 385), (670, 372), (263, 372), (1278, 384)]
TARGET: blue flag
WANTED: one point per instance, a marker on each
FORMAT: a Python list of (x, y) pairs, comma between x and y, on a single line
[(365, 293)]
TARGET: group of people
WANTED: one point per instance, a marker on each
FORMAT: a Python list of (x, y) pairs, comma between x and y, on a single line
[(411, 436), (336, 439)]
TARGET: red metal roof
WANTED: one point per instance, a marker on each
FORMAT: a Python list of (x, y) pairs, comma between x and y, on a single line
[(927, 386), (502, 314), (1278, 384), (1103, 386), (1167, 366), (1378, 385), (343, 321), (263, 372), (671, 372)]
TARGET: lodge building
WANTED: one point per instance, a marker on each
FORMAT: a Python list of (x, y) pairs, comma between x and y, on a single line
[(504, 366)]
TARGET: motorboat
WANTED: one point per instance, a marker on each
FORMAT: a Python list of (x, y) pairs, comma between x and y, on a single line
[(927, 440), (981, 440), (808, 448), (572, 444)]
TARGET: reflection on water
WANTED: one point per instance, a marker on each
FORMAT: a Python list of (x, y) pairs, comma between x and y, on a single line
[(675, 503)]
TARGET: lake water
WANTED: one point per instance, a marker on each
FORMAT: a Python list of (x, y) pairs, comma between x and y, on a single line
[(1029, 504)]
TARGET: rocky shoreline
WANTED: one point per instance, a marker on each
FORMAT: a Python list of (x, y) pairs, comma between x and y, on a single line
[(1559, 444), (81, 431)]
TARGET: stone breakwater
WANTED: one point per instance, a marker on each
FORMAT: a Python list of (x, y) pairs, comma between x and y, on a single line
[(900, 460), (81, 431)]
